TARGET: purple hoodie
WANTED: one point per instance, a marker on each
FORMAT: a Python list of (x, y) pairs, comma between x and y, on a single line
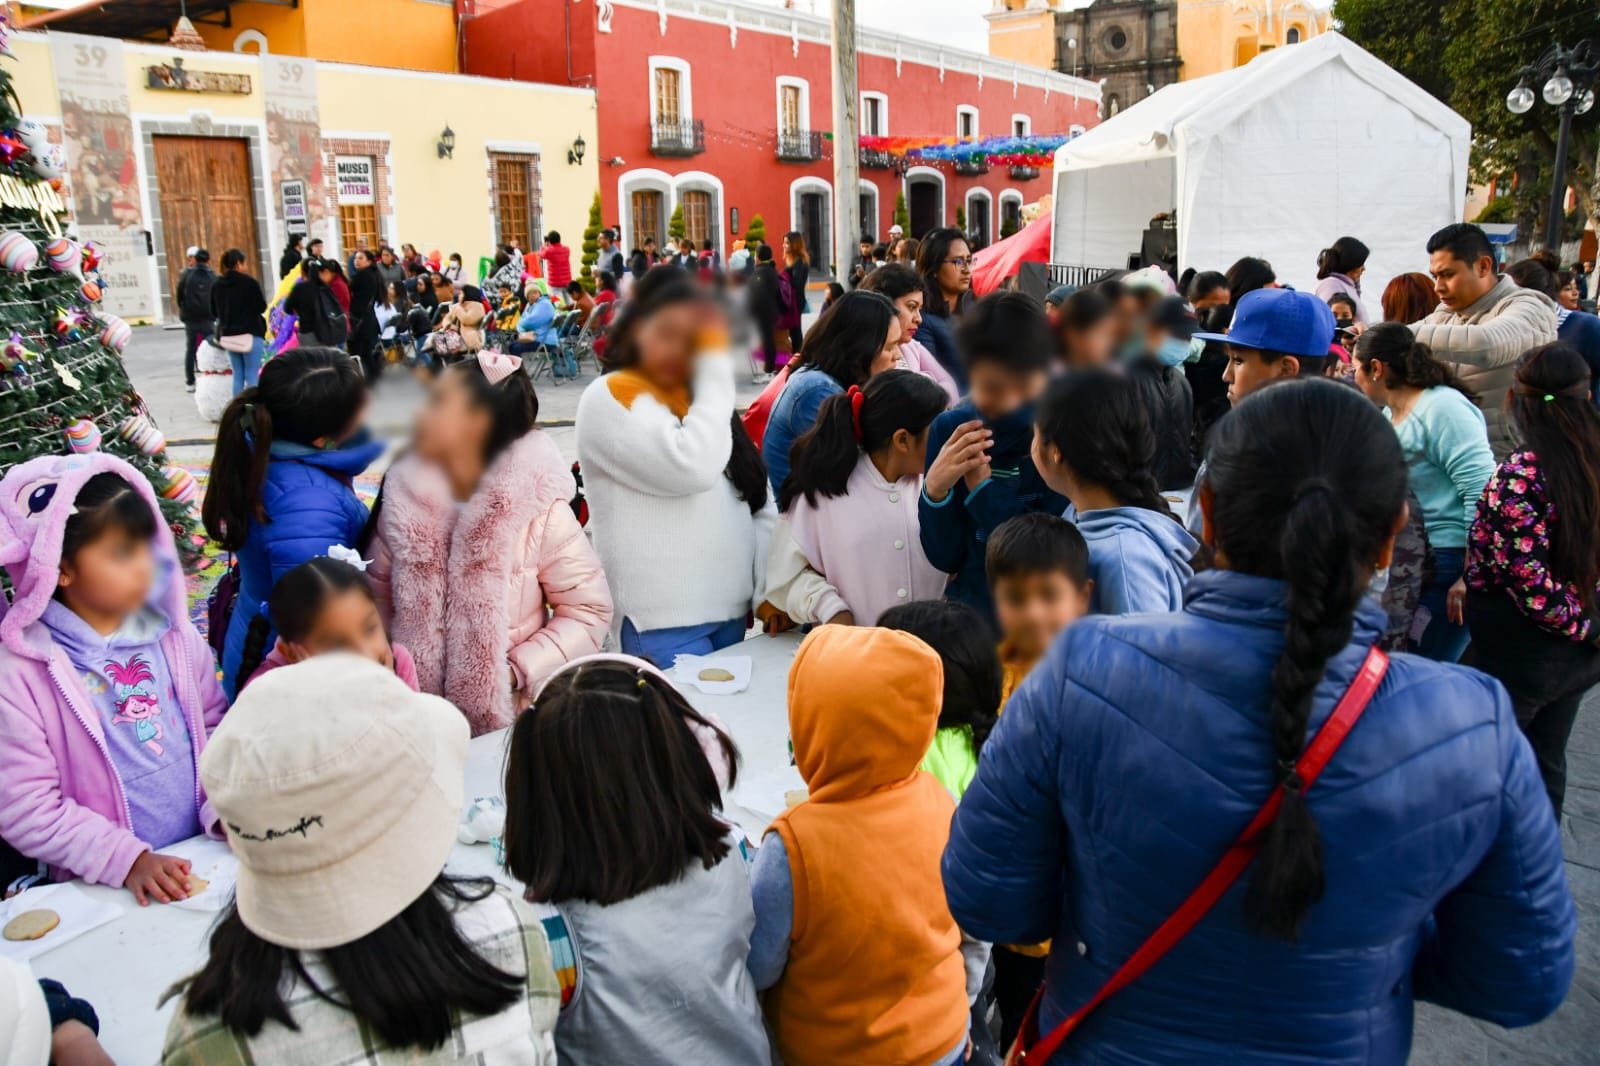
[(78, 786)]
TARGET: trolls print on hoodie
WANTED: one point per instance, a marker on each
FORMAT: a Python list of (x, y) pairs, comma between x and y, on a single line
[(82, 716)]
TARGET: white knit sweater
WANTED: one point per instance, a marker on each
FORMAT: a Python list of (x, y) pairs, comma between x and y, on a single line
[(680, 547)]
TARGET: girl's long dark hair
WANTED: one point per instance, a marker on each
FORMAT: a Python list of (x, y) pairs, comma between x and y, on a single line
[(966, 646), (293, 606), (1307, 483), (1406, 361), (893, 280), (608, 793), (1345, 255), (408, 980), (848, 336), (305, 394), (1099, 423), (823, 457), (1245, 275), (663, 287), (106, 502), (1558, 422), (931, 254), (512, 404)]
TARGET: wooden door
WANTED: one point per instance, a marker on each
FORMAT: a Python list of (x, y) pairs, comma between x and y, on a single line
[(204, 185), (646, 219), (924, 207), (814, 223), (697, 216)]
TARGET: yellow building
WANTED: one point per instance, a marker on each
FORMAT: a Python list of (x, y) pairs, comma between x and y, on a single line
[(411, 34), (1217, 35), (1024, 31), (167, 147)]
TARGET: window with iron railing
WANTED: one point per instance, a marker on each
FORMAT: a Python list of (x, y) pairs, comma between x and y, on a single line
[(685, 137), (800, 146)]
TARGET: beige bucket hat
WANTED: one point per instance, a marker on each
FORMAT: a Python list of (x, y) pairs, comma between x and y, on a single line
[(339, 789)]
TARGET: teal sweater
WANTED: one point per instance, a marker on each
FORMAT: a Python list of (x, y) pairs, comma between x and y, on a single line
[(1446, 445)]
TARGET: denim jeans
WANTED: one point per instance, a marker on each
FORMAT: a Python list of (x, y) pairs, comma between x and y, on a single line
[(1443, 640), (662, 646), (247, 365)]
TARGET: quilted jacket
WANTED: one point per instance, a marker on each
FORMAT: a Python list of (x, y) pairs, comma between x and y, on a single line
[(1135, 753)]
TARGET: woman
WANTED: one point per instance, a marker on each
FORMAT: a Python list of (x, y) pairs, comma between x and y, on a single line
[(366, 290), (346, 940), (1533, 561), (1578, 330), (1339, 270), (460, 328), (945, 263), (390, 313), (903, 286), (1446, 448), (1567, 295), (478, 561), (1409, 298), (1422, 864), (239, 308), (854, 339), (291, 254), (453, 272), (410, 258), (796, 264), (682, 515)]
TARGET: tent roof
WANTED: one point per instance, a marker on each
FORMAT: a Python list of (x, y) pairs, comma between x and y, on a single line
[(992, 266), (1202, 106)]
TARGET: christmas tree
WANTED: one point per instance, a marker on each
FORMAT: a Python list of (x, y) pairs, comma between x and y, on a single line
[(675, 226), (63, 386), (591, 245), (902, 217), (756, 230)]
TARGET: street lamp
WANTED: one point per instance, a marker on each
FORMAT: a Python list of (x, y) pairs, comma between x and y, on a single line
[(447, 143), (575, 153), (1569, 75)]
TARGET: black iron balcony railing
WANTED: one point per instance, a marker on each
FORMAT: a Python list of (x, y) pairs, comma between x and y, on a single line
[(876, 159), (684, 138), (799, 146), (1024, 173), (972, 167)]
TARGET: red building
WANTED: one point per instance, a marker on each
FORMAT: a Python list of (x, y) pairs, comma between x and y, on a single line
[(724, 108)]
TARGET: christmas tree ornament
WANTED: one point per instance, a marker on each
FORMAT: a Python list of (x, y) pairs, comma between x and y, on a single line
[(116, 333), (142, 433), (11, 148), (65, 256), (17, 253), (68, 378), (179, 485), (91, 256), (51, 163), (90, 291), (13, 351), (31, 133), (83, 436), (62, 323)]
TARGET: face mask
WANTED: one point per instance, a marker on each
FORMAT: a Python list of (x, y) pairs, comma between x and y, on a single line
[(1343, 323), (1131, 349), (1173, 351)]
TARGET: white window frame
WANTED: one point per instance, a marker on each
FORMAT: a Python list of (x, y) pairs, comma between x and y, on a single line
[(642, 179), (685, 87), (932, 176), (963, 110), (813, 184), (703, 181), (786, 81), (980, 193), (1008, 196), (1026, 122), (883, 111), (1294, 29)]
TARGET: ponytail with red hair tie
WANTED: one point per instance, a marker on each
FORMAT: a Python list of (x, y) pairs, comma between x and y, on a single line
[(857, 398)]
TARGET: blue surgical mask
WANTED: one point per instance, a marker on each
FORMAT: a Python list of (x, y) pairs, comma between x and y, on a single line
[(1173, 352)]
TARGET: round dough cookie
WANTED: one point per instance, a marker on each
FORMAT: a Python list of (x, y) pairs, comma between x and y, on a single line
[(715, 673), (31, 925), (197, 885)]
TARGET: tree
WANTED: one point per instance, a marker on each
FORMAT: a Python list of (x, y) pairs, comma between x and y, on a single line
[(675, 227), (755, 230), (902, 217), (1008, 225), (1469, 55), (63, 386), (591, 245), (961, 218)]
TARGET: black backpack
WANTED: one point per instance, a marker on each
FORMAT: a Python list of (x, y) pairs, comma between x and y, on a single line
[(197, 295), (332, 328)]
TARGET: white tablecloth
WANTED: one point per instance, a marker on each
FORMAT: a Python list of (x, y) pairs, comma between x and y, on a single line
[(123, 967)]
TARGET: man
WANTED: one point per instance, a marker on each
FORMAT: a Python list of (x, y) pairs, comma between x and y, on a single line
[(557, 259), (194, 308), (1276, 335), (390, 270), (582, 304), (610, 258), (314, 248), (865, 263), (897, 233), (1485, 322)]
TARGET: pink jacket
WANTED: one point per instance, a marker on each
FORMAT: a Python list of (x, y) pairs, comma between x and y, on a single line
[(913, 356), (61, 799), (494, 595), (405, 668)]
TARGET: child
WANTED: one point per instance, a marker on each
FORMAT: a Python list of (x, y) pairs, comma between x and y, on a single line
[(324, 605), (972, 693), (853, 940), (1094, 446), (279, 491), (1038, 566), (109, 693), (980, 472), (847, 548), (614, 822), (1165, 391)]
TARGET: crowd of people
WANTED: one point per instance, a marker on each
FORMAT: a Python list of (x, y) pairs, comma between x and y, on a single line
[(1161, 584)]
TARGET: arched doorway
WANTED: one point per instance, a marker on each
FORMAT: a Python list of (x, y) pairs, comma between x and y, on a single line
[(925, 199)]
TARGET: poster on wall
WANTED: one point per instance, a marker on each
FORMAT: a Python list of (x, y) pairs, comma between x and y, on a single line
[(354, 174), (102, 169), (292, 196), (294, 137)]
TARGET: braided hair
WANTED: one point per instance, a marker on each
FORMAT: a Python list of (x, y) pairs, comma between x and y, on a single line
[(1305, 482), (1097, 420)]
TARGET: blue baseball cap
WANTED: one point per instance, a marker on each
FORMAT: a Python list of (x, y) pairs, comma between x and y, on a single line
[(1279, 320)]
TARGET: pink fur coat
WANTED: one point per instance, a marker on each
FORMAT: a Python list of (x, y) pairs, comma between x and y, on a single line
[(493, 595)]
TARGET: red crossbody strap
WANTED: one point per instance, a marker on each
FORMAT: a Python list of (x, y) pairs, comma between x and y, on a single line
[(1233, 862)]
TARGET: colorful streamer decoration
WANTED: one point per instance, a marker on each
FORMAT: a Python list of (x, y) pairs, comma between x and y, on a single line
[(1032, 151)]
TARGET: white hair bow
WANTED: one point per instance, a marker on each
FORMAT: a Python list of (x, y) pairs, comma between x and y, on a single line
[(350, 556)]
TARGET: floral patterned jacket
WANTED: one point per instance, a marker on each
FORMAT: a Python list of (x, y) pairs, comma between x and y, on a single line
[(1508, 549)]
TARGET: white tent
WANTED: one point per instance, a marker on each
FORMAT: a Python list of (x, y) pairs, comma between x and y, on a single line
[(1277, 158)]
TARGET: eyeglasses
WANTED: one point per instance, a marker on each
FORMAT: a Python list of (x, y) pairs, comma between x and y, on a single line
[(959, 261)]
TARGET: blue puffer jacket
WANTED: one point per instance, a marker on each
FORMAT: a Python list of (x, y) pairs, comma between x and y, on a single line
[(310, 506), (1137, 750)]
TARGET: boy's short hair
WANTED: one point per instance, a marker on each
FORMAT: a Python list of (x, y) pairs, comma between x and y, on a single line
[(1008, 328), (1037, 543)]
